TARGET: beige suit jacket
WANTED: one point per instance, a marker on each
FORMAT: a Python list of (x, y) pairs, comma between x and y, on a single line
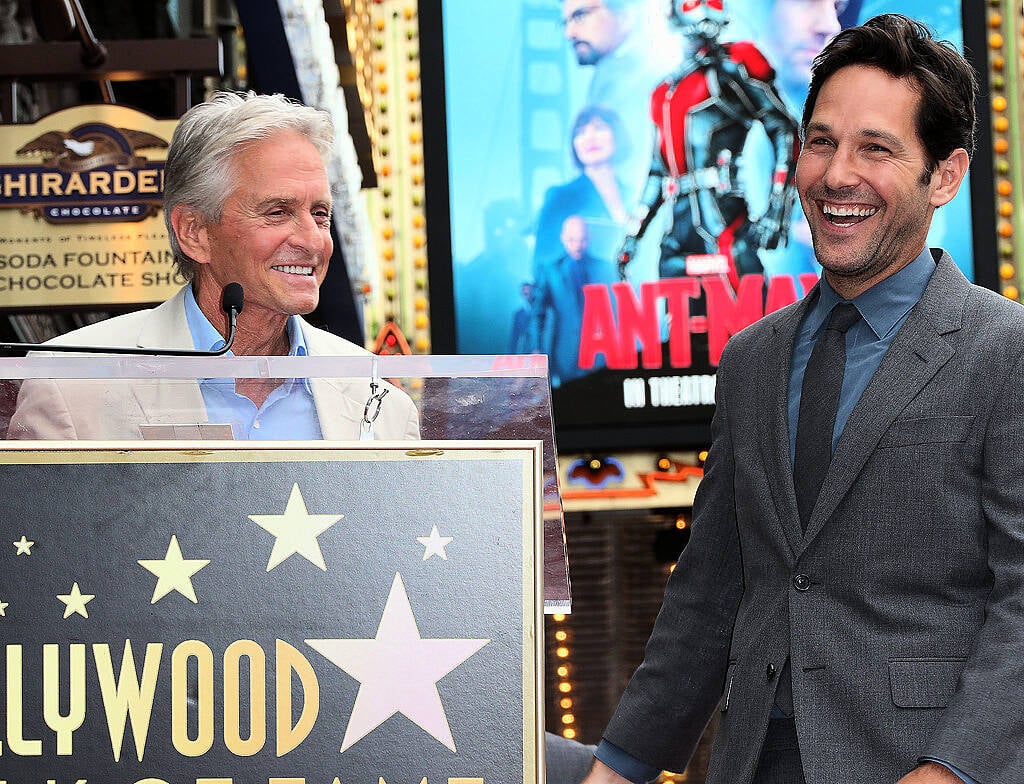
[(96, 409)]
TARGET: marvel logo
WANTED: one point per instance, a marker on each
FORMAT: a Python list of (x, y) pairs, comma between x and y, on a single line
[(707, 264)]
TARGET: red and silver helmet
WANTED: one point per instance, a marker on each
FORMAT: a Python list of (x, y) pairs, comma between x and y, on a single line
[(698, 17)]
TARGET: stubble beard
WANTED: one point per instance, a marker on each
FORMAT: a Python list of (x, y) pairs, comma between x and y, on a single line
[(868, 263), (585, 53)]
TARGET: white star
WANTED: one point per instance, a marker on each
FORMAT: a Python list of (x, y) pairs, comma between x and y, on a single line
[(75, 601), (296, 531), (24, 546), (174, 573), (398, 671), (434, 544), (3, 606)]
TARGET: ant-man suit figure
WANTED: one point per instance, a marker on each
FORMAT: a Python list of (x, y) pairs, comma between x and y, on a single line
[(703, 113)]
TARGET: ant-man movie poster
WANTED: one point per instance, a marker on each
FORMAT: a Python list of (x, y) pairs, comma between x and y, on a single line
[(621, 186)]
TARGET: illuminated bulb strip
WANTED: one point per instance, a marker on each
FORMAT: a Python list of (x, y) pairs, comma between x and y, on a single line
[(418, 316), (565, 686), (1005, 31), (387, 39)]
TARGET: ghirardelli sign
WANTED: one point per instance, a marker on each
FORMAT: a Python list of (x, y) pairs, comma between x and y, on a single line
[(80, 210), (93, 172)]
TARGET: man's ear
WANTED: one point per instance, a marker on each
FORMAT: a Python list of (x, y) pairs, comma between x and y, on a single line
[(190, 229), (950, 173)]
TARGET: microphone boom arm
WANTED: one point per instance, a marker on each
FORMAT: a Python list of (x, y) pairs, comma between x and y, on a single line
[(231, 301)]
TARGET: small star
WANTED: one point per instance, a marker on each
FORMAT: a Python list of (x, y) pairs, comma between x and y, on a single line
[(434, 544), (24, 546), (398, 671), (174, 573), (296, 531), (76, 601), (3, 606)]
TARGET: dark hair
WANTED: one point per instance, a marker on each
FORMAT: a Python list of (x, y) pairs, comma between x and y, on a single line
[(610, 118), (905, 49)]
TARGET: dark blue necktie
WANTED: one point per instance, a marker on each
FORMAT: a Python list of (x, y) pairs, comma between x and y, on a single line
[(819, 401)]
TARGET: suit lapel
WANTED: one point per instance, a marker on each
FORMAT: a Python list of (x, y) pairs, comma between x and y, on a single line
[(916, 354), (169, 401), (166, 326), (778, 358), (337, 407), (339, 402)]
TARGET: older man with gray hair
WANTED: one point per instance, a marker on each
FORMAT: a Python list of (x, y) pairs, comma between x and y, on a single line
[(246, 200)]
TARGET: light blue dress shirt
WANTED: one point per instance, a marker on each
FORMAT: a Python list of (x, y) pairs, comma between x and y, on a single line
[(288, 413), (884, 308)]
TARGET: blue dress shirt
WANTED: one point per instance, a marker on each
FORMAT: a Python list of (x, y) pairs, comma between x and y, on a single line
[(884, 308), (288, 413)]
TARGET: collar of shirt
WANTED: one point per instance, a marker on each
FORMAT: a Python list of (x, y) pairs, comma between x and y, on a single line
[(882, 306), (206, 338)]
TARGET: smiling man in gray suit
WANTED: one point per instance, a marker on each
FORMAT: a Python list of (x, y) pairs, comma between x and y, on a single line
[(852, 596)]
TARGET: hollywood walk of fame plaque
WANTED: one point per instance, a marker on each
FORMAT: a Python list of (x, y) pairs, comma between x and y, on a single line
[(327, 614)]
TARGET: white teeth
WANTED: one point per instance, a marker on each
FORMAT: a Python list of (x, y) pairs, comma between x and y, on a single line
[(848, 212), (295, 269)]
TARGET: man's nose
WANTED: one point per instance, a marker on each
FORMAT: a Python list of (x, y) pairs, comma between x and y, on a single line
[(310, 235), (842, 169)]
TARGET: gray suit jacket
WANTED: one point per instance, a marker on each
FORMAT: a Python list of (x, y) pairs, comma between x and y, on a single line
[(95, 410), (566, 761), (902, 606)]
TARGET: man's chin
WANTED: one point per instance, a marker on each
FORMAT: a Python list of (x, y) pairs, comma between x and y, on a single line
[(301, 306), (585, 54)]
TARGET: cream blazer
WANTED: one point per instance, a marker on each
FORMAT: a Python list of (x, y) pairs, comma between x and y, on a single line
[(93, 409)]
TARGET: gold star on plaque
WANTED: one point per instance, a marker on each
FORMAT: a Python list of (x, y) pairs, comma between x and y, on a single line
[(3, 606), (75, 601), (174, 573), (296, 531), (434, 544), (24, 546)]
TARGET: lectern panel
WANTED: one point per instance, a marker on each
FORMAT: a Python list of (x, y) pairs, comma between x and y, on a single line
[(177, 612)]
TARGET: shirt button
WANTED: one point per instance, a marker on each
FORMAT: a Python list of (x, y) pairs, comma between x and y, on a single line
[(256, 425), (770, 671), (801, 582)]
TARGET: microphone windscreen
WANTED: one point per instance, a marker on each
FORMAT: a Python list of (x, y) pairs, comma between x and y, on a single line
[(233, 298)]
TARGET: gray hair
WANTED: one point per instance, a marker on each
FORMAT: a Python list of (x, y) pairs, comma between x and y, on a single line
[(198, 172)]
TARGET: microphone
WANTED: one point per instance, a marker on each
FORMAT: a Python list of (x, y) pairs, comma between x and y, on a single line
[(232, 299)]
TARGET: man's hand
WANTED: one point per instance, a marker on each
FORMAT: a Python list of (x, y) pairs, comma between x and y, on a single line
[(602, 774), (931, 773), (772, 229), (625, 254)]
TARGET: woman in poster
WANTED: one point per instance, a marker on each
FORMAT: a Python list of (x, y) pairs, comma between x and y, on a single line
[(598, 144)]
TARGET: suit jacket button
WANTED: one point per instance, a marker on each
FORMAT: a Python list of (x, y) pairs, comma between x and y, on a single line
[(801, 582), (770, 671)]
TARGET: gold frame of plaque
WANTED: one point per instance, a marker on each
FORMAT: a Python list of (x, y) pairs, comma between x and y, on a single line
[(176, 611)]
